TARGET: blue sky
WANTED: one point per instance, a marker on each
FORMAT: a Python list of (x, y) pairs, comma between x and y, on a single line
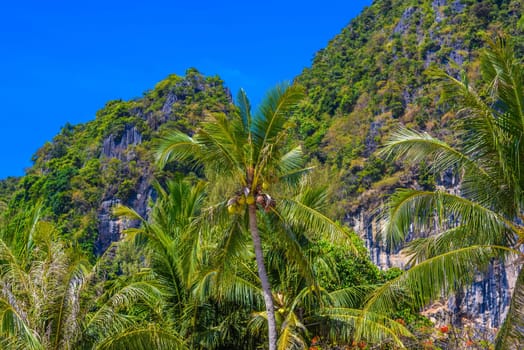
[(61, 61)]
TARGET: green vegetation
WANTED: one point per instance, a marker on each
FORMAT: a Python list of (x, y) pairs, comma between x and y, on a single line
[(207, 268), (481, 224), (250, 163), (188, 277), (52, 298), (372, 77), (234, 242), (109, 158)]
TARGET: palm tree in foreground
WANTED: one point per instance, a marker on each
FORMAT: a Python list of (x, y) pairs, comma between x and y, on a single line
[(248, 156), (210, 294), (48, 299), (485, 220)]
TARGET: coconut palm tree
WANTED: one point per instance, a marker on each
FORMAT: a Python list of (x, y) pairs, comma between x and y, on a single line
[(48, 299), (213, 292), (324, 312), (247, 158), (484, 220), (317, 299), (187, 256)]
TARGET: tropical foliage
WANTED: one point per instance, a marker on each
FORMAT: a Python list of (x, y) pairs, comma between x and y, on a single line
[(109, 158), (251, 163), (371, 77), (51, 298), (481, 223), (214, 298), (188, 274)]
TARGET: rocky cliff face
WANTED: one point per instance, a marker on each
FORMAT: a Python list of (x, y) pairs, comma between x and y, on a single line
[(109, 227), (123, 147), (480, 309), (89, 168), (372, 77)]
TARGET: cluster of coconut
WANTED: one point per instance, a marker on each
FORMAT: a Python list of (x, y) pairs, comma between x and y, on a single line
[(263, 200)]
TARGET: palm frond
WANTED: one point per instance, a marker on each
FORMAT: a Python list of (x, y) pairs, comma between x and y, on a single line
[(129, 213), (291, 334), (297, 214), (428, 211), (295, 255), (291, 167), (434, 277), (143, 338), (233, 245), (501, 67), (492, 129), (424, 248), (291, 161), (418, 146), (176, 146), (223, 144), (364, 325), (245, 110), (226, 286), (13, 327), (65, 310), (109, 318), (351, 297), (272, 114)]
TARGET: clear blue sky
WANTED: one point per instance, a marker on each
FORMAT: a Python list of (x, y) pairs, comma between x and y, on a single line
[(61, 61)]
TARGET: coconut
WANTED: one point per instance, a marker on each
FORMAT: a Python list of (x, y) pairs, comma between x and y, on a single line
[(232, 209), (261, 199)]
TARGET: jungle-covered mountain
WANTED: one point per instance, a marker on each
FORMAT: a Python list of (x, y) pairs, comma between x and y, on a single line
[(370, 77), (87, 168), (374, 75)]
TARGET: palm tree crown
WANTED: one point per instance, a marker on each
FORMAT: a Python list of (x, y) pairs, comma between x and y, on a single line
[(484, 220), (47, 299), (249, 158)]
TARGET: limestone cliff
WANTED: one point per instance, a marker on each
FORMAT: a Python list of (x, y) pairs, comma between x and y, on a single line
[(371, 78), (88, 168)]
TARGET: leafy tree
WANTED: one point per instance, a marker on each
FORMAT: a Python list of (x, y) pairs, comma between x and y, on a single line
[(318, 286), (483, 221)]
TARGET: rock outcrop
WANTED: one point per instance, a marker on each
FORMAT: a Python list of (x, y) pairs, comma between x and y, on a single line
[(122, 146)]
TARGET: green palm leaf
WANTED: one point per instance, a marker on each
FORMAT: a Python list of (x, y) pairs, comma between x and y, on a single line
[(270, 121), (372, 327), (298, 214), (245, 110), (434, 277), (176, 146), (419, 208), (143, 338)]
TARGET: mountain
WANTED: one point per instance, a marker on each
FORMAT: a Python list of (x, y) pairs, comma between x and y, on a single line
[(369, 78), (372, 77), (88, 168)]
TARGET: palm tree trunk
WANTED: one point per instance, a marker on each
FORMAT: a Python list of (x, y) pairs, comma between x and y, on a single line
[(266, 288)]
